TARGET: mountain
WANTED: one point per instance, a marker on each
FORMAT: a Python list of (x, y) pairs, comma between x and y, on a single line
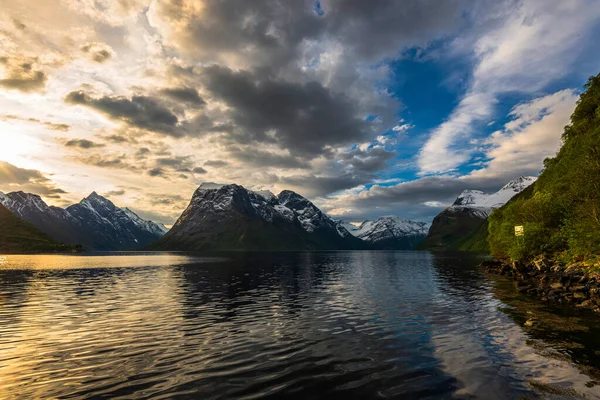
[(18, 236), (460, 226), (104, 226), (231, 217), (94, 223), (389, 232)]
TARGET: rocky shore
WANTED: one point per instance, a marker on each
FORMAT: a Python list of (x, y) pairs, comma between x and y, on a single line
[(574, 284)]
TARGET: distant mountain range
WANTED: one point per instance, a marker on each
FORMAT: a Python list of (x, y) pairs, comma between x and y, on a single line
[(95, 223), (231, 217), (389, 232), (463, 226)]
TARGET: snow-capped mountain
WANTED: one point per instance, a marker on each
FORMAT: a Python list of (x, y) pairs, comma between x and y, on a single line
[(485, 203), (231, 217), (95, 222), (389, 232), (453, 226), (109, 227)]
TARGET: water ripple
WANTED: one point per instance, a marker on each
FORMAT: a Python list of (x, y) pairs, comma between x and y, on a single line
[(299, 325)]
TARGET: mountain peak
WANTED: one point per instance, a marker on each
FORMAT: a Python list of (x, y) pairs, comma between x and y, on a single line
[(517, 185)]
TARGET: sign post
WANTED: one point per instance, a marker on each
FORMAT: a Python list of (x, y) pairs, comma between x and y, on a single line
[(519, 234)]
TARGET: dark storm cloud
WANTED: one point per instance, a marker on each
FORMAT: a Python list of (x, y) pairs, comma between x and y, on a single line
[(82, 144), (260, 158), (371, 160), (302, 118), (199, 170), (184, 94), (271, 32), (138, 111), (21, 74), (312, 185)]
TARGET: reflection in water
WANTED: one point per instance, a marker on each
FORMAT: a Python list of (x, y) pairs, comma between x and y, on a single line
[(303, 325)]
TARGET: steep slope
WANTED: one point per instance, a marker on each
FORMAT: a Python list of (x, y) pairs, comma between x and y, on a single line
[(95, 223), (561, 213), (18, 236), (459, 227), (230, 217), (54, 221), (104, 226), (389, 232)]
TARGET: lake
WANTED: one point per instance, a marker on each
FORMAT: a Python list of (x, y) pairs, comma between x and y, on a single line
[(296, 325)]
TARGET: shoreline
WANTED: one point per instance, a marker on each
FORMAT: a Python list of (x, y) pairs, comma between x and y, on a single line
[(541, 277)]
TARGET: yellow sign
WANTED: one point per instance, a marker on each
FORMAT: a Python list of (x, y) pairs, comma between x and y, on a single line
[(519, 230)]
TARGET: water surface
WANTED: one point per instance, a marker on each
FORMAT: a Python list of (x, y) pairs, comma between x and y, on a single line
[(300, 325)]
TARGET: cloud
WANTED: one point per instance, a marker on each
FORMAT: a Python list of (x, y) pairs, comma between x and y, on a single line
[(138, 111), (21, 74), (509, 59), (156, 172), (420, 199), (305, 119), (185, 94), (260, 158), (50, 125), (115, 193), (13, 178), (370, 160), (199, 170), (98, 52), (533, 133), (115, 161), (315, 185), (267, 32), (82, 143), (216, 163)]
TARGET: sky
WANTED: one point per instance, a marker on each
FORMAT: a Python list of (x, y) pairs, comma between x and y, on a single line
[(366, 108)]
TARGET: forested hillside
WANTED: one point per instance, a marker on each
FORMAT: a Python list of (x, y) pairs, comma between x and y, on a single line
[(18, 236), (560, 213)]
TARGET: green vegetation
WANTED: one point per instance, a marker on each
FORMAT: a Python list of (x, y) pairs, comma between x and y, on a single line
[(478, 241), (455, 230), (18, 236), (561, 211)]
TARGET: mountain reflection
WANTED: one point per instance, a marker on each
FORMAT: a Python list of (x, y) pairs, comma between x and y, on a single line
[(318, 325)]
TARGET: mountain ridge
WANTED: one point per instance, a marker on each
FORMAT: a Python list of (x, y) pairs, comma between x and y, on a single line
[(231, 217), (389, 232), (94, 223)]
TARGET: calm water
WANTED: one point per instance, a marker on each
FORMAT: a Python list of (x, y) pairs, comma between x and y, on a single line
[(300, 325)]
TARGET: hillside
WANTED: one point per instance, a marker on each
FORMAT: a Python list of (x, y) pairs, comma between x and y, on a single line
[(561, 214), (463, 226), (18, 236)]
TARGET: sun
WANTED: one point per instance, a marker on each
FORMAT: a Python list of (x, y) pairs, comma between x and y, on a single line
[(16, 146)]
